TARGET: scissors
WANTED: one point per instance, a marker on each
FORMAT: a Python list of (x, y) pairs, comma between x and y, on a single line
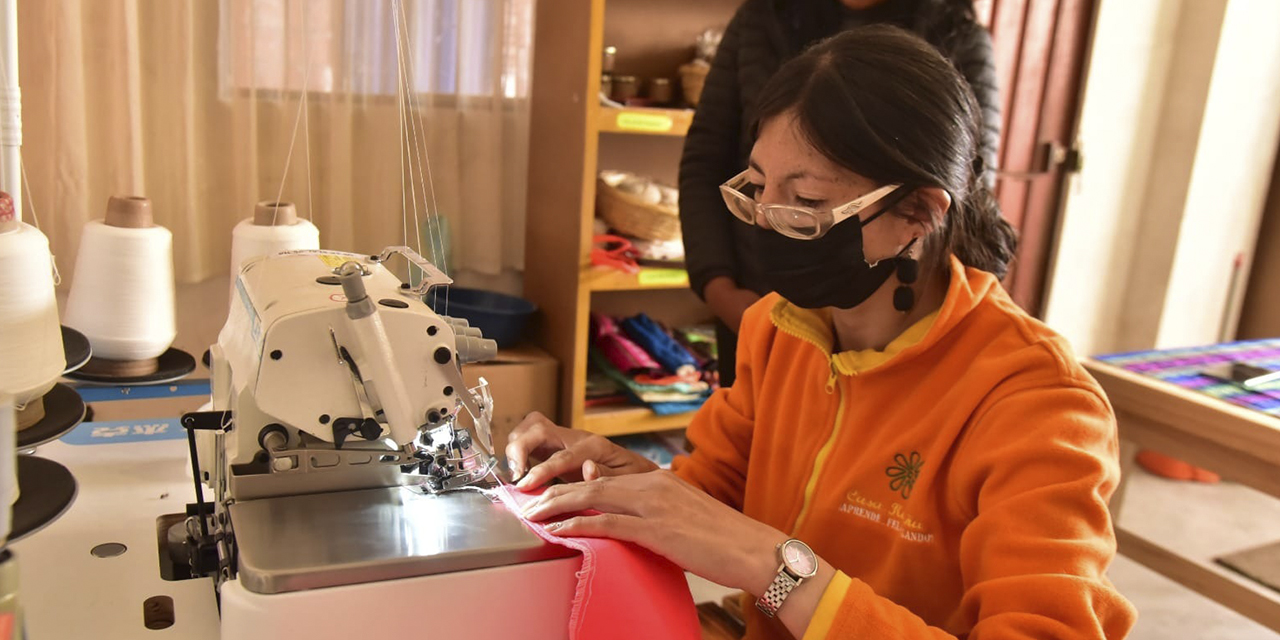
[(614, 251)]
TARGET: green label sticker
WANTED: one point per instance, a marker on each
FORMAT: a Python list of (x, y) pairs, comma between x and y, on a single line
[(639, 121), (659, 277)]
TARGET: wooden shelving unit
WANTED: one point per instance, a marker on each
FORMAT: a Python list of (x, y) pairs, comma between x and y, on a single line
[(649, 278), (572, 137), (621, 421)]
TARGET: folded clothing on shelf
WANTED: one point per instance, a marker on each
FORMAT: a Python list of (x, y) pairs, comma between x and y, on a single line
[(649, 393), (603, 391), (600, 385), (624, 354), (658, 343), (648, 365), (700, 340)]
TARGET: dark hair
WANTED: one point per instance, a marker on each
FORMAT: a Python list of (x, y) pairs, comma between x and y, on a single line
[(886, 105), (942, 23)]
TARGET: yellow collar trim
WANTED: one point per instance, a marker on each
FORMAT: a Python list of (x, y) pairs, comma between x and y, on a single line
[(814, 327), (855, 362), (809, 325)]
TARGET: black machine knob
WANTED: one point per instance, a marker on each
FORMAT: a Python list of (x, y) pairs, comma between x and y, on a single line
[(366, 428)]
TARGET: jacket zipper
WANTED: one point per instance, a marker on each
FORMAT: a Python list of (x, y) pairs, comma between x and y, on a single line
[(820, 461)]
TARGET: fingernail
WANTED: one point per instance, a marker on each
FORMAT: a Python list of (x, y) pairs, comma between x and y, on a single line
[(553, 526)]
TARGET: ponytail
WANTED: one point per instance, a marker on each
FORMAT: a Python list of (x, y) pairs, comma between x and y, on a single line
[(979, 236)]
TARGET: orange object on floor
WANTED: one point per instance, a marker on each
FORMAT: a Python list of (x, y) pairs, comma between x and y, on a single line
[(1174, 469)]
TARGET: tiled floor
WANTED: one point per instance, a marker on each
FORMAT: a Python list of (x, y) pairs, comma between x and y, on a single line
[(1198, 520)]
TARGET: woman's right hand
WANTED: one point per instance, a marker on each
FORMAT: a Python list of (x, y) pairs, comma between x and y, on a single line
[(569, 454), (728, 301)]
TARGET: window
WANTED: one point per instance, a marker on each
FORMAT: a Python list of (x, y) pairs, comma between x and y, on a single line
[(458, 47)]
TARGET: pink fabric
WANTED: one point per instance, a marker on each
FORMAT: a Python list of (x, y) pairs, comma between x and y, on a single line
[(625, 592), (621, 352)]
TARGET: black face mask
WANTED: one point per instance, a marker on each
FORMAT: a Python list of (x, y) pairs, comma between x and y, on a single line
[(831, 271)]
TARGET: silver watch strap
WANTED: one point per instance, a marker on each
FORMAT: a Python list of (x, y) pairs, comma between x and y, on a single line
[(777, 593)]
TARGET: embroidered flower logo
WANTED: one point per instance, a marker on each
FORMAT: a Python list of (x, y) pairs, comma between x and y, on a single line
[(904, 472)]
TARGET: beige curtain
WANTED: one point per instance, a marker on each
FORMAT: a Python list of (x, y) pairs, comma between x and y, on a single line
[(194, 103)]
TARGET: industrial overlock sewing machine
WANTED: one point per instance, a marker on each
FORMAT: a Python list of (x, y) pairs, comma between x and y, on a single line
[(343, 452)]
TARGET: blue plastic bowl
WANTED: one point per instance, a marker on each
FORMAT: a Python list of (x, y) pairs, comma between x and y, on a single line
[(499, 317)]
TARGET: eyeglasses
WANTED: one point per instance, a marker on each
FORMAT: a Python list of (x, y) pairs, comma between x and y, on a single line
[(801, 223)]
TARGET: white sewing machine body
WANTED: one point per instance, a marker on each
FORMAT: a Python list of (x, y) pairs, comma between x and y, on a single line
[(344, 438), (279, 361)]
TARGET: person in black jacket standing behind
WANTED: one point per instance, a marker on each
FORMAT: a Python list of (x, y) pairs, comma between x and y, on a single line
[(761, 37)]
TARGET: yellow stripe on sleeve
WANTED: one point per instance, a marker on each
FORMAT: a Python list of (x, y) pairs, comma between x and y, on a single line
[(825, 615)]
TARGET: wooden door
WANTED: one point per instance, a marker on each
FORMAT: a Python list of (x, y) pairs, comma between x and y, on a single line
[(1042, 48)]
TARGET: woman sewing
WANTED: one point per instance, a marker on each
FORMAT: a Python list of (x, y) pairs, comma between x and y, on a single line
[(905, 453)]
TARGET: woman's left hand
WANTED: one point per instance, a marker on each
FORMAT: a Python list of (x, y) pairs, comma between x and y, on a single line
[(672, 518)]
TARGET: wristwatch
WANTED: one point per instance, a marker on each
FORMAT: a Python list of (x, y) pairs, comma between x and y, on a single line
[(797, 564)]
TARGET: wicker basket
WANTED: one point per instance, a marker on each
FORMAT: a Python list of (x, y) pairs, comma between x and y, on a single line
[(692, 76), (632, 216)]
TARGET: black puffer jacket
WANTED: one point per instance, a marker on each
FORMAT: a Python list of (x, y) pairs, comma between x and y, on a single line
[(761, 37)]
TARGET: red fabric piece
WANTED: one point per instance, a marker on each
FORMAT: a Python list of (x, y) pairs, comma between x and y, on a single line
[(625, 592)]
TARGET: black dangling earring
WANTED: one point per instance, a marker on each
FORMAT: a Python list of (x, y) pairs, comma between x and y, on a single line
[(904, 297)]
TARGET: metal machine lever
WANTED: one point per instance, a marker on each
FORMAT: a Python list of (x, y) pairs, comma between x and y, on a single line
[(369, 417), (431, 276)]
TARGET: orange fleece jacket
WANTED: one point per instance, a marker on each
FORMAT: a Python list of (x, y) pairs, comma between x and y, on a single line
[(958, 481)]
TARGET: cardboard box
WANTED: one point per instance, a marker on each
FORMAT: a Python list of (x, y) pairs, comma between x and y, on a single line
[(522, 380)]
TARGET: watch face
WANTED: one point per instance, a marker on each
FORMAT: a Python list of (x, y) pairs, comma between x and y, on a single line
[(799, 558)]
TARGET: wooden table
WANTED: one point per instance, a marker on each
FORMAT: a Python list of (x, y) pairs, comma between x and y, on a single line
[(1240, 444)]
